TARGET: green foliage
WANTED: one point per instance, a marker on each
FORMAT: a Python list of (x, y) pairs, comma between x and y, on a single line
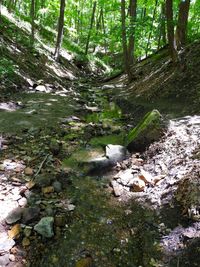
[(105, 35), (6, 68)]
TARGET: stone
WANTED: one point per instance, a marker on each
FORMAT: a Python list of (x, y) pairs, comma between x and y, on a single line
[(57, 186), (48, 190), (14, 216), (146, 177), (4, 260), (12, 257), (60, 220), (45, 227), (138, 185), (117, 188), (41, 88), (27, 231), (28, 171), (22, 202), (116, 153), (71, 207), (148, 130), (85, 262), (30, 214), (125, 177), (14, 233), (26, 242), (5, 243)]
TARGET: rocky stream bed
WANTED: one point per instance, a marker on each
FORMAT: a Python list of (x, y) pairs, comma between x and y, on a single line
[(141, 211)]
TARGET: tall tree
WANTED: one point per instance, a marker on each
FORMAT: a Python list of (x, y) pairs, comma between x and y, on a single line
[(0, 10), (162, 30), (151, 29), (133, 14), (91, 26), (181, 29), (60, 29), (124, 39), (128, 48), (170, 30), (32, 13)]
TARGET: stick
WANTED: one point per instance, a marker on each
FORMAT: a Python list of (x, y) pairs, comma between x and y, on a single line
[(41, 165)]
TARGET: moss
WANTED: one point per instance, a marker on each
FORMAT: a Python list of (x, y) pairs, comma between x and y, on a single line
[(105, 140), (147, 131)]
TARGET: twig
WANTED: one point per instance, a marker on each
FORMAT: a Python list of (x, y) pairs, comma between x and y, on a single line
[(178, 262), (41, 165)]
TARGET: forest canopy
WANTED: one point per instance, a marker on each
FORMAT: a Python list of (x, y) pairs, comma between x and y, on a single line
[(106, 28)]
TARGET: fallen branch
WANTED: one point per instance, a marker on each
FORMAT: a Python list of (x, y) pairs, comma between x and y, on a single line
[(41, 165)]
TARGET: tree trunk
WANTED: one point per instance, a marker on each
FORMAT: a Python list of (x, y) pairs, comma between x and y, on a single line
[(0, 10), (124, 40), (32, 13), (91, 26), (181, 29), (104, 32), (170, 30), (162, 29), (60, 29), (133, 8), (150, 32)]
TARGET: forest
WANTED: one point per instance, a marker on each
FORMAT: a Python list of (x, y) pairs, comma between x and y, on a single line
[(99, 133)]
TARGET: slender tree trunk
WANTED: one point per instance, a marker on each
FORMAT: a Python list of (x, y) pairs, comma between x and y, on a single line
[(133, 8), (104, 31), (124, 40), (91, 26), (150, 32), (32, 13), (0, 10), (170, 30), (181, 29), (60, 29), (162, 37)]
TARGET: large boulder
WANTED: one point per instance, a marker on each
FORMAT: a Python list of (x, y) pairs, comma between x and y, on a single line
[(148, 130)]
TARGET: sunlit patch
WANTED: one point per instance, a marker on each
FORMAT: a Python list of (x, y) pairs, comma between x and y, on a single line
[(9, 106)]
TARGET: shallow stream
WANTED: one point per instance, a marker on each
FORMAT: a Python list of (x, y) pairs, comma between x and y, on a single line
[(111, 233)]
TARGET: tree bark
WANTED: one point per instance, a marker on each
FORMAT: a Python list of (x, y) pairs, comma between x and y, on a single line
[(104, 32), (124, 38), (60, 29), (150, 32), (32, 13), (91, 26), (133, 8), (0, 11), (162, 29), (181, 30), (170, 30)]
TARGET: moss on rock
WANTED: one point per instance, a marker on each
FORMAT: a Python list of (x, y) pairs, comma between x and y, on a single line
[(147, 131)]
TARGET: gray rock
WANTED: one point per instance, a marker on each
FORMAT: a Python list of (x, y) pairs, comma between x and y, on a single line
[(30, 214), (115, 153), (117, 188), (57, 186), (14, 216), (6, 243), (45, 227), (4, 260)]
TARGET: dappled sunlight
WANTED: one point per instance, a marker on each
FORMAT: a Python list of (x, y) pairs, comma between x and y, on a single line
[(62, 73), (9, 106)]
